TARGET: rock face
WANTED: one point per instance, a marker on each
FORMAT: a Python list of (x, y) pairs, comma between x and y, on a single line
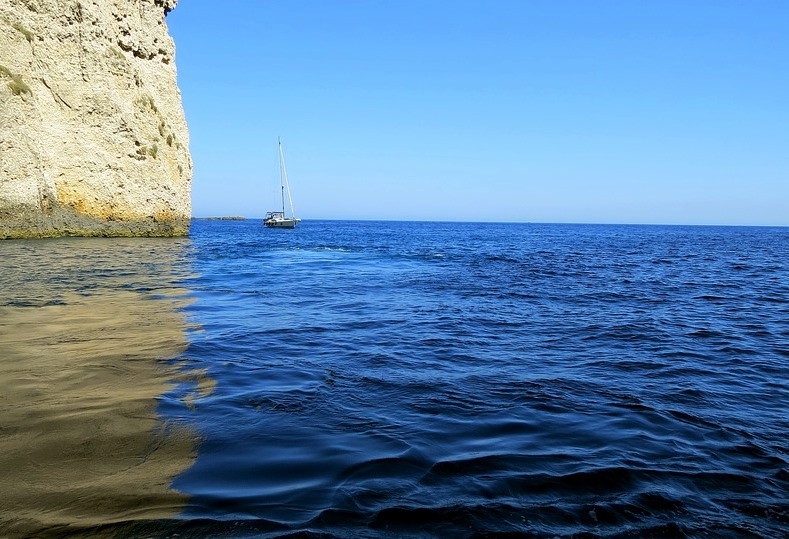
[(93, 139)]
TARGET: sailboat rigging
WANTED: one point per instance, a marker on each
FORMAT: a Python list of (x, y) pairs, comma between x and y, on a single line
[(278, 219)]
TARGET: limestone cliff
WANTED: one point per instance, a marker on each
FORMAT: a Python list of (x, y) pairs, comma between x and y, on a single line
[(93, 139)]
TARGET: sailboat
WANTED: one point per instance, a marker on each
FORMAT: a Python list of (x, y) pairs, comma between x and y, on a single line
[(277, 219)]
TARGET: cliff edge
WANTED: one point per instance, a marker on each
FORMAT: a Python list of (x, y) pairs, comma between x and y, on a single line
[(93, 138)]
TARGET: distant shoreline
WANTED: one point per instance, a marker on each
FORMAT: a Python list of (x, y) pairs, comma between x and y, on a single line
[(228, 218)]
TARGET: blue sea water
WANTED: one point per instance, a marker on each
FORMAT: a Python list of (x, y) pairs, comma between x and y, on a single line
[(393, 379)]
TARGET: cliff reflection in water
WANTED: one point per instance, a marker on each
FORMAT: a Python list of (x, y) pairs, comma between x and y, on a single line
[(88, 332)]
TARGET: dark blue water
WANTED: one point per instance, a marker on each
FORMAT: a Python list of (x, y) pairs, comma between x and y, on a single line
[(379, 379), (462, 379)]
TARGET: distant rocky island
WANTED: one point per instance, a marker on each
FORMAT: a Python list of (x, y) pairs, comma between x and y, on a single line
[(227, 218), (93, 138)]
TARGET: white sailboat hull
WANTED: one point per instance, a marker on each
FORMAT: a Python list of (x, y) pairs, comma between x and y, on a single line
[(281, 223)]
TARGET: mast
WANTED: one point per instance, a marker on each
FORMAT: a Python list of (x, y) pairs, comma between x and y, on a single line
[(283, 177)]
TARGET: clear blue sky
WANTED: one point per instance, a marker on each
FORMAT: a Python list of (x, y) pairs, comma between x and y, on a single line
[(606, 111)]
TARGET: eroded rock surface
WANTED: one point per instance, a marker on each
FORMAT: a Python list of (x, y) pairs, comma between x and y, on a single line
[(93, 139)]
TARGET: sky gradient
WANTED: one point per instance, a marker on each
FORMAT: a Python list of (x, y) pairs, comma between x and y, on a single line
[(670, 112)]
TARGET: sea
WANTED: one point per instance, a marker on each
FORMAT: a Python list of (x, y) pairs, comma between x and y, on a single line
[(397, 379)]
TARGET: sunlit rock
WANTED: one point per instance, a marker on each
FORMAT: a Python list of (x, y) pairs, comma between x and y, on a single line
[(93, 139)]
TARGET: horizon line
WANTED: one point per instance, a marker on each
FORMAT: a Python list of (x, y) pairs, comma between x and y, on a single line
[(584, 223)]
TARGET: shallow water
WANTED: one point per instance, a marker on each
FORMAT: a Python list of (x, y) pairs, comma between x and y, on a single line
[(379, 379)]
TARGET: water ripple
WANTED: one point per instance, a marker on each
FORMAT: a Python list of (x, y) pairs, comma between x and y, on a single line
[(477, 380)]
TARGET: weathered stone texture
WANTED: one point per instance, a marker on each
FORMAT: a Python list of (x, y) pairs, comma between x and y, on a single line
[(93, 139)]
